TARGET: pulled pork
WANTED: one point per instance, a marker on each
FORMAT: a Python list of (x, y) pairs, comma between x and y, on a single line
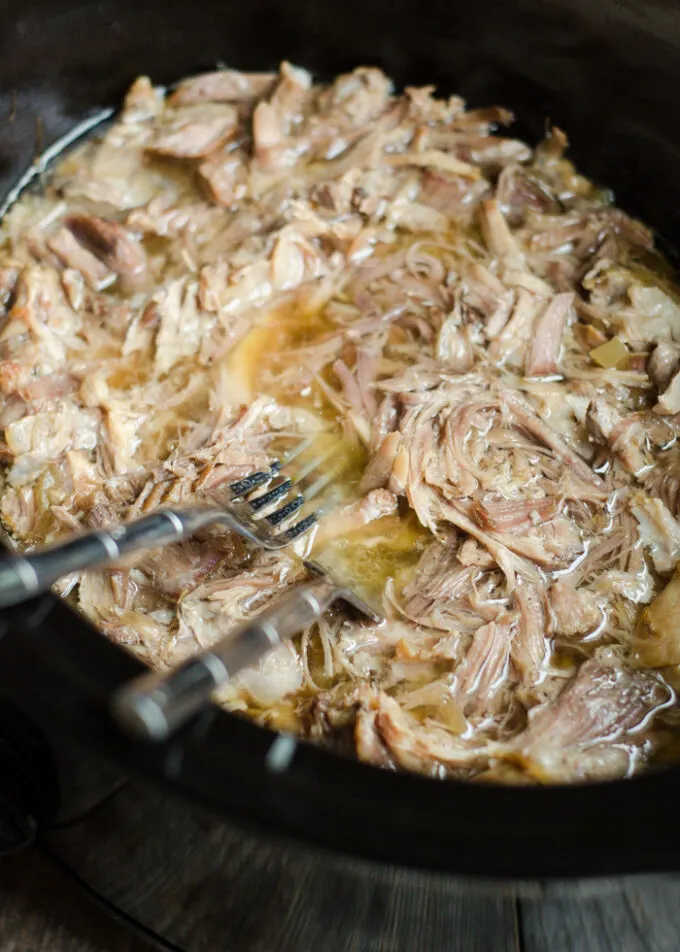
[(484, 351)]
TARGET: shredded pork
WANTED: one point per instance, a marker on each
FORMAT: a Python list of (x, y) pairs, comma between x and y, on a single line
[(482, 348)]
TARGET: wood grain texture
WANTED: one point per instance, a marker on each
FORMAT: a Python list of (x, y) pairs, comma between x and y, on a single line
[(208, 886), (639, 918), (41, 910)]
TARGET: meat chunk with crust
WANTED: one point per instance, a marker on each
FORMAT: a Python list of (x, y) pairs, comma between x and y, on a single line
[(73, 255), (113, 244)]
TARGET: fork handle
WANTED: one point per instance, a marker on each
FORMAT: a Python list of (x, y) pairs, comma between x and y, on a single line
[(23, 576), (156, 704)]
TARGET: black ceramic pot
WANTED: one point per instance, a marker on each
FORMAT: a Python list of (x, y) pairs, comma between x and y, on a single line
[(207, 845)]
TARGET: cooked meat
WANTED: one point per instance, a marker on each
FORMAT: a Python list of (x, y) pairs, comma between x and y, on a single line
[(466, 348), (352, 517), (573, 611), (659, 531), (484, 672), (72, 254), (663, 364), (546, 339), (529, 647), (195, 131), (669, 400), (226, 85), (607, 703), (111, 243), (657, 637)]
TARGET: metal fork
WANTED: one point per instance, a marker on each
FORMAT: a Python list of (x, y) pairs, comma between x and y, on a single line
[(248, 512), (157, 703)]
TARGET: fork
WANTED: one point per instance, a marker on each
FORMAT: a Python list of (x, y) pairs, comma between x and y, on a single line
[(157, 703), (246, 512)]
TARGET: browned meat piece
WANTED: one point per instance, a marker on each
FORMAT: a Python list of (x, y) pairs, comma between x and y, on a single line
[(574, 611), (111, 243), (605, 704), (225, 85), (484, 673), (72, 255), (663, 364), (352, 100), (195, 131), (546, 339), (514, 516), (14, 376), (552, 148)]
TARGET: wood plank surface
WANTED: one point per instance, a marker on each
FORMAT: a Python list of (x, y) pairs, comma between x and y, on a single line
[(41, 910), (644, 917)]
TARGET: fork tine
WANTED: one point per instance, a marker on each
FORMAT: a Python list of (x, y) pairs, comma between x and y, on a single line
[(285, 511), (300, 527), (246, 485), (266, 499)]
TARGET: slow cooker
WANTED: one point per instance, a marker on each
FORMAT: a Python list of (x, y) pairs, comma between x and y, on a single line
[(207, 842)]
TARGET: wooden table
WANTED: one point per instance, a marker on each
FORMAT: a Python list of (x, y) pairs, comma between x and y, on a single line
[(42, 911)]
